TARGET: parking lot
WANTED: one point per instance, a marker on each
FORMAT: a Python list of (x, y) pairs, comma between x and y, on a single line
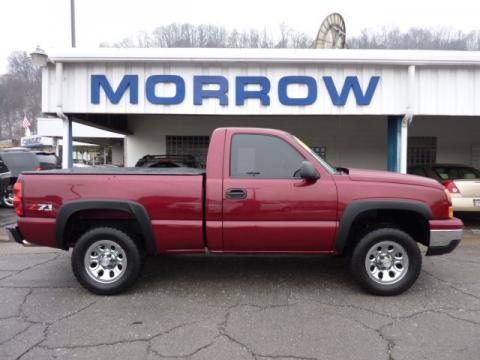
[(231, 307)]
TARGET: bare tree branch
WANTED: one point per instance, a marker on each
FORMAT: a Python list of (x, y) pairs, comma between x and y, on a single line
[(20, 94)]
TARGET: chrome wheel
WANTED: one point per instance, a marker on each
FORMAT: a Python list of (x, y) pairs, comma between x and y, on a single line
[(386, 262), (8, 199), (105, 261)]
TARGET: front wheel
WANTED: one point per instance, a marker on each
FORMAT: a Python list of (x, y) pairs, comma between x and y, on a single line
[(386, 261), (106, 261)]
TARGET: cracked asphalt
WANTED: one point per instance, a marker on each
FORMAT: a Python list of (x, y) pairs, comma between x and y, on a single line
[(238, 307)]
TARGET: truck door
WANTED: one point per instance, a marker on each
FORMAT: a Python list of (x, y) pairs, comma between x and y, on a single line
[(266, 206)]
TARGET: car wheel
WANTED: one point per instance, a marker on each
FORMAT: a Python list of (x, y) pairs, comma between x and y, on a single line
[(7, 199), (386, 261), (106, 261)]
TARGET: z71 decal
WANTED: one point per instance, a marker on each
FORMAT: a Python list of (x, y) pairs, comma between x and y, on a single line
[(41, 207)]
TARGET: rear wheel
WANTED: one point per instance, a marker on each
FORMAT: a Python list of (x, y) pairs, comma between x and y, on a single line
[(106, 260), (386, 261), (7, 199)]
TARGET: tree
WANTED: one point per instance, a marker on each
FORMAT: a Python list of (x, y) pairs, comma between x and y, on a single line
[(212, 36), (188, 35), (415, 38), (20, 88), (20, 95)]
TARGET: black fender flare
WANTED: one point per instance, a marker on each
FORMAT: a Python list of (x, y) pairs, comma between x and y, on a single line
[(356, 208), (134, 208)]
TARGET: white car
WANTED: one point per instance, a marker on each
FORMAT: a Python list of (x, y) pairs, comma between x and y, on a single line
[(462, 181)]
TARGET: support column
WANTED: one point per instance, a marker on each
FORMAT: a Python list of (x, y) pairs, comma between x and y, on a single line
[(67, 144), (403, 145), (67, 123), (394, 143)]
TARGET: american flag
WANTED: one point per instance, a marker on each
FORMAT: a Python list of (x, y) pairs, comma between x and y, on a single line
[(25, 123)]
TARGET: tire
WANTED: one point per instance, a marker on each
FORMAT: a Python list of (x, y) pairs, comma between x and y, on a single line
[(7, 199), (106, 260), (386, 261)]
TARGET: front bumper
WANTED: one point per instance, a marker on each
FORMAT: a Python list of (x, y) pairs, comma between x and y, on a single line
[(445, 235)]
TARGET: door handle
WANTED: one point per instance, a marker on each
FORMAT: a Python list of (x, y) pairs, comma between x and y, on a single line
[(236, 194)]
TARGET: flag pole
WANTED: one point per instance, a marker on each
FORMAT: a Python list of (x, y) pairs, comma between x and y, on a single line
[(26, 124)]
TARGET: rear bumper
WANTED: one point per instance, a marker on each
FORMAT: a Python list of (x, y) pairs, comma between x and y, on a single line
[(445, 235), (14, 234), (461, 203)]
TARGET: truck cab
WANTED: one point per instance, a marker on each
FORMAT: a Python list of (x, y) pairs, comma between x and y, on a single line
[(267, 201)]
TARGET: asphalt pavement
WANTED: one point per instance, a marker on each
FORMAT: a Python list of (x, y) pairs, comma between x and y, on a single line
[(238, 307)]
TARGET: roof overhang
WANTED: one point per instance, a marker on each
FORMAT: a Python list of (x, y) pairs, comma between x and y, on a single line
[(306, 56)]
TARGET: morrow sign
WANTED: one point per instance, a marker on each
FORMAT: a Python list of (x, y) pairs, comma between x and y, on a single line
[(262, 92)]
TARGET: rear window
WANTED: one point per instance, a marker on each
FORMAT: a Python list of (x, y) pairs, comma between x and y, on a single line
[(48, 161), (162, 164), (456, 172), (20, 161), (167, 161), (48, 158)]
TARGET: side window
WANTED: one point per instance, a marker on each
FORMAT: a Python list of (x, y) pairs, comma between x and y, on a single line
[(263, 157)]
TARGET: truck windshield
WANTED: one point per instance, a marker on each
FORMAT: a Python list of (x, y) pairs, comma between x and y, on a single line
[(322, 161)]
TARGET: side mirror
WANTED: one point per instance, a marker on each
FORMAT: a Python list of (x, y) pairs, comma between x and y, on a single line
[(308, 171)]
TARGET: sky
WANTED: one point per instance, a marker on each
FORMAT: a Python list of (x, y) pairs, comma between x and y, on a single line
[(24, 24)]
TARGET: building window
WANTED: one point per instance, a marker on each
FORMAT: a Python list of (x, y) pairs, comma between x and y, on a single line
[(422, 150), (197, 146)]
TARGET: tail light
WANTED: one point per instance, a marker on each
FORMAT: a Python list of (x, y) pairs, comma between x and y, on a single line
[(38, 169), (18, 198), (450, 185), (449, 199)]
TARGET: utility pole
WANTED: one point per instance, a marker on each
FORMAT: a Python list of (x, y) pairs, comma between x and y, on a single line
[(67, 151), (72, 22)]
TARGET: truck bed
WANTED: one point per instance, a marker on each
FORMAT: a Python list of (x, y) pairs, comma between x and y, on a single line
[(172, 197)]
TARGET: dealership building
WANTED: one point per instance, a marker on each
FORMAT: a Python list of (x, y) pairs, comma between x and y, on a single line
[(381, 109)]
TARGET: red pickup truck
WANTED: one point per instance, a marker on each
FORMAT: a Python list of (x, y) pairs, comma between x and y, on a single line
[(263, 191)]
